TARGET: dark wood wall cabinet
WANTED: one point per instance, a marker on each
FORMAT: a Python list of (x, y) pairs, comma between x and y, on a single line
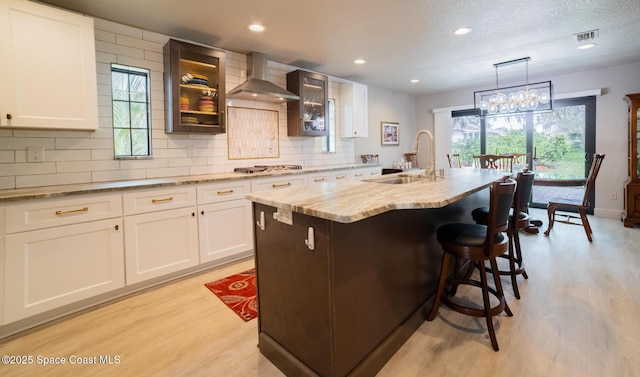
[(307, 116), (632, 186), (194, 78)]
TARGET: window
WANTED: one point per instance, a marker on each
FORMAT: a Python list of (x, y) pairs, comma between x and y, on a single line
[(131, 111)]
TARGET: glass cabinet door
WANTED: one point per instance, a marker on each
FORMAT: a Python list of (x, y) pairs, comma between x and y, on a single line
[(307, 116)]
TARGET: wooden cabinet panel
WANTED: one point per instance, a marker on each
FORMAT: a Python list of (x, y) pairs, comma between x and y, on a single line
[(160, 243), (308, 115), (49, 268), (46, 51)]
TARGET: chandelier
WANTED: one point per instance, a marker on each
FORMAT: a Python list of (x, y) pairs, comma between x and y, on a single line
[(514, 99)]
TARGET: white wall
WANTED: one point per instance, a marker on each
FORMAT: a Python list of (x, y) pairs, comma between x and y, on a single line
[(388, 106), (611, 122)]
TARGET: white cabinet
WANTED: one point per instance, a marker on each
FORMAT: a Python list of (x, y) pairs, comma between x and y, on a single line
[(321, 177), (48, 74), (354, 110), (49, 263), (280, 182), (225, 228), (161, 232), (364, 173), (340, 175)]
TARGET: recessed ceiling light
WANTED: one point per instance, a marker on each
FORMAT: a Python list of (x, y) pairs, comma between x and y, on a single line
[(586, 46), (414, 81), (359, 61), (462, 31), (256, 27)]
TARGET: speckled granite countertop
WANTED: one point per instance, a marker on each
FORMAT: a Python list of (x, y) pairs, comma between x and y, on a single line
[(90, 188), (350, 201)]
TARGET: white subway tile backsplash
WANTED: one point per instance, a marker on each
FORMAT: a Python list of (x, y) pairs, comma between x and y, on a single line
[(167, 172), (7, 183), (118, 175), (79, 166), (52, 179)]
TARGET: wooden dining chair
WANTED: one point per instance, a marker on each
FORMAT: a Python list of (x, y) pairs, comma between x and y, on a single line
[(579, 207), (494, 161), (454, 160)]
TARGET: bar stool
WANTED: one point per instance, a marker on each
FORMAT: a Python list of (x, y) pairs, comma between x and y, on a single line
[(518, 220), (477, 243)]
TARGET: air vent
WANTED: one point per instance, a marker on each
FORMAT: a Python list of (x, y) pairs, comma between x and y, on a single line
[(587, 36)]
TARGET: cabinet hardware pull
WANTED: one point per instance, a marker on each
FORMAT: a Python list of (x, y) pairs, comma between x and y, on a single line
[(202, 212), (9, 116), (85, 209), (318, 179), (341, 177), (193, 214), (260, 222), (225, 192), (310, 241), (162, 200), (358, 175), (117, 227), (282, 185)]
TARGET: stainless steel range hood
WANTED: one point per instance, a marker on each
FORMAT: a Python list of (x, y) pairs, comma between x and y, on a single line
[(257, 87)]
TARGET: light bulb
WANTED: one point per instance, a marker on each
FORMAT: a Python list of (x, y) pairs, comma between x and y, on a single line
[(521, 106), (532, 105), (533, 94), (513, 107), (503, 108), (521, 95), (512, 97), (483, 105), (501, 97), (492, 109), (493, 100), (544, 98)]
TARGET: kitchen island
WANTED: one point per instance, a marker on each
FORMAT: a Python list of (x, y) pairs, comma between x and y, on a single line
[(345, 269)]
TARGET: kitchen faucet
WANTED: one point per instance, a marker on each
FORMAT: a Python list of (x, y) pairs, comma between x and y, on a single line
[(430, 172)]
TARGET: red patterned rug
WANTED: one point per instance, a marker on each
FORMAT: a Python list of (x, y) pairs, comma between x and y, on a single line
[(238, 292)]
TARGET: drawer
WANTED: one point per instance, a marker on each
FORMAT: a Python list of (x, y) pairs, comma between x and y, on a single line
[(223, 191), (46, 213), (319, 178), (340, 176), (278, 183), (152, 200)]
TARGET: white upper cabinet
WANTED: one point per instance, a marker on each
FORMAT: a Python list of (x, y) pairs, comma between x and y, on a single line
[(354, 110), (48, 74)]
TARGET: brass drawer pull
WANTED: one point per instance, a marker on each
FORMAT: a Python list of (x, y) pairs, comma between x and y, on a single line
[(162, 200), (341, 176), (359, 175), (85, 209), (225, 192), (318, 180), (282, 185)]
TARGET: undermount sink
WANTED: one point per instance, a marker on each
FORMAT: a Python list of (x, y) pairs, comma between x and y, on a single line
[(399, 180)]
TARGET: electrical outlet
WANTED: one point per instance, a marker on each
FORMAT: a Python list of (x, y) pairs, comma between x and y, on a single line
[(613, 196), (35, 154)]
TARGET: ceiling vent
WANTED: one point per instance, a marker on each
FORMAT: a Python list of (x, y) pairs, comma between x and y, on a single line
[(587, 36)]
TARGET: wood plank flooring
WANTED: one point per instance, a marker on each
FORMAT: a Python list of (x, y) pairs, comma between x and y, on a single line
[(579, 316)]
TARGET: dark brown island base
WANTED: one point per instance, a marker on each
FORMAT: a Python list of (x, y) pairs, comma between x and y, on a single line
[(345, 270)]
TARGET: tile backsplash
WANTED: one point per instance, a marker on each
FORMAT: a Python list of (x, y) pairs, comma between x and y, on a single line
[(87, 156)]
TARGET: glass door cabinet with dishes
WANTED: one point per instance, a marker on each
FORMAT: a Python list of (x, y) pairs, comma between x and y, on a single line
[(194, 79), (632, 186), (307, 116)]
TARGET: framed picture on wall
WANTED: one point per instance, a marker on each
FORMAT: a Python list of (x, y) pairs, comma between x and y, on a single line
[(390, 133)]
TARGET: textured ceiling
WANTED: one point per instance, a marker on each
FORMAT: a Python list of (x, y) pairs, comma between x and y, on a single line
[(400, 39)]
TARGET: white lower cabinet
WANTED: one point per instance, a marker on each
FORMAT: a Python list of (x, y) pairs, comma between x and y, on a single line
[(46, 269), (159, 243), (224, 221)]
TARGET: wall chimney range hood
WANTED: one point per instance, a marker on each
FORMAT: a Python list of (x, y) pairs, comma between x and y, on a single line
[(257, 87)]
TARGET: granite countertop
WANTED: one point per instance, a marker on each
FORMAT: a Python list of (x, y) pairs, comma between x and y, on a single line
[(43, 192), (350, 201)]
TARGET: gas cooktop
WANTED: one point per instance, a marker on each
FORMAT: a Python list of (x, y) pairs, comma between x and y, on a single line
[(266, 168)]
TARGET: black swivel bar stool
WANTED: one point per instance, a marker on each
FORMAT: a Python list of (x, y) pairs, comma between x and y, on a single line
[(518, 220), (477, 243)]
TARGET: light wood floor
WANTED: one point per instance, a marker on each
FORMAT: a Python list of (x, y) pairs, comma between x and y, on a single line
[(579, 316)]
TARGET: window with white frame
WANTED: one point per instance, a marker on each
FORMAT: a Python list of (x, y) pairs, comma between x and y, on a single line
[(131, 111)]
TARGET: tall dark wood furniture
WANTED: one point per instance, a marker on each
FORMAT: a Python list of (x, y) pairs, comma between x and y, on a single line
[(580, 207), (308, 115), (477, 243), (632, 186), (194, 85)]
